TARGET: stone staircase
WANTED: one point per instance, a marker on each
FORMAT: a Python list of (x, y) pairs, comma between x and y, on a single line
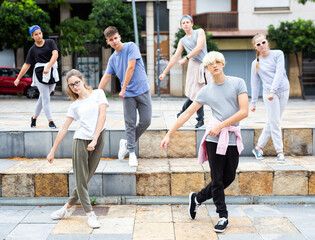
[(163, 177)]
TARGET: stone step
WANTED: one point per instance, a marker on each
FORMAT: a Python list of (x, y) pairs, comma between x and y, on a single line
[(36, 143), (157, 177)]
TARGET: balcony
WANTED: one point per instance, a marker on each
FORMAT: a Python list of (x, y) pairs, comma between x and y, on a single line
[(217, 21)]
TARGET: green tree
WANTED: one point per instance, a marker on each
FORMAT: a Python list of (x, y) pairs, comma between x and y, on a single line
[(211, 45), (294, 37), (304, 1), (74, 34), (114, 13), (15, 20)]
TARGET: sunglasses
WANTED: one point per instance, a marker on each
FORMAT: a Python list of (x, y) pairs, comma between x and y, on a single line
[(75, 84), (261, 43)]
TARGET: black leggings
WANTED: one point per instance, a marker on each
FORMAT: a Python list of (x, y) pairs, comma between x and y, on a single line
[(223, 170)]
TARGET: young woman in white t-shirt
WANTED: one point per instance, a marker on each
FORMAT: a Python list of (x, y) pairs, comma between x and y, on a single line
[(89, 107)]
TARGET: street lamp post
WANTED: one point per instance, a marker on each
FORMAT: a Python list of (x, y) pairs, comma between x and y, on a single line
[(157, 2)]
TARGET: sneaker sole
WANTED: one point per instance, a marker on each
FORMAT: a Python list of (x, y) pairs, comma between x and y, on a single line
[(190, 205), (258, 158), (219, 231)]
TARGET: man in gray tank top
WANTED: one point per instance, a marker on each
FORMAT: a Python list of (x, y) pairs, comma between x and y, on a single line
[(194, 42)]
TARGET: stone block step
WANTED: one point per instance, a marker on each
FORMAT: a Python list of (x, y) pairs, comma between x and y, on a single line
[(184, 143), (157, 177)]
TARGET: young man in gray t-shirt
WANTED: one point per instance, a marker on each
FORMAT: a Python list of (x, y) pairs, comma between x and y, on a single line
[(228, 99)]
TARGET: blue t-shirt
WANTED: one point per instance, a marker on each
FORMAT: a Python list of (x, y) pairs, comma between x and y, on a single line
[(118, 63)]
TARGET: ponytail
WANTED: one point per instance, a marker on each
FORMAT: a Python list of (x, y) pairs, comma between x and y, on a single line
[(257, 61), (258, 35)]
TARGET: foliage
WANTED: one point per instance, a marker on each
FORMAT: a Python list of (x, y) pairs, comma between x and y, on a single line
[(211, 45), (93, 200), (74, 33), (304, 1), (294, 37), (114, 13), (15, 20)]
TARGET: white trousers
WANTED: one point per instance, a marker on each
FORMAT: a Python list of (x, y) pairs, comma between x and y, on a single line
[(275, 109), (43, 101)]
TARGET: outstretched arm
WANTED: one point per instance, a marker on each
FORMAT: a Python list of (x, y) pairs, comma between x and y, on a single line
[(180, 122), (99, 127), (179, 50), (60, 136), (24, 69)]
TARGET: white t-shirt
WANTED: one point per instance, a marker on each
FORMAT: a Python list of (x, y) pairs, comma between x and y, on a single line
[(87, 112)]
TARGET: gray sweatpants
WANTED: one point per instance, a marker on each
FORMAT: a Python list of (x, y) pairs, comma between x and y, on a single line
[(134, 130), (275, 109), (84, 165), (43, 101)]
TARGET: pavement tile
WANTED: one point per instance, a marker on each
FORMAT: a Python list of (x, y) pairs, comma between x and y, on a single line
[(99, 211), (283, 237), (180, 214), (111, 237), (233, 210), (17, 207), (30, 231), (69, 237), (194, 230), (39, 216), (257, 211), (238, 225), (303, 210), (240, 237), (73, 225), (158, 231), (5, 164), (122, 211), (12, 216), (115, 226), (154, 214), (6, 228), (274, 225)]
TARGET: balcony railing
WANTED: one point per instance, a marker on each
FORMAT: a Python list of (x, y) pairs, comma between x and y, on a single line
[(217, 21)]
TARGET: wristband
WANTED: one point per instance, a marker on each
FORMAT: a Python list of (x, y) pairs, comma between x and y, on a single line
[(187, 58)]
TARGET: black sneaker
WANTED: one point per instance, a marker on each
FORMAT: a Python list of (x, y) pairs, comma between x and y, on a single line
[(221, 225), (33, 122), (51, 124), (199, 124), (193, 205)]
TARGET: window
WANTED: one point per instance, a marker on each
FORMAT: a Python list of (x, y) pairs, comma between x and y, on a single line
[(271, 5)]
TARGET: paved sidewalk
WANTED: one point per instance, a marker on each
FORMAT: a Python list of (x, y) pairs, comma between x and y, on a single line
[(146, 222), (15, 114)]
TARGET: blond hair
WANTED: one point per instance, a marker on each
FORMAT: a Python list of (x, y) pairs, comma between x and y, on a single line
[(258, 35), (74, 72), (212, 57)]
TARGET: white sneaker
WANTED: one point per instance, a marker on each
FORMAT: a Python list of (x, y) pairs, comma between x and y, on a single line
[(92, 220), (133, 161), (122, 149), (63, 212), (281, 158)]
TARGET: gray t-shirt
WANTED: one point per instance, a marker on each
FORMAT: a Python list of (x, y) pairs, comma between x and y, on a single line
[(190, 43), (223, 101)]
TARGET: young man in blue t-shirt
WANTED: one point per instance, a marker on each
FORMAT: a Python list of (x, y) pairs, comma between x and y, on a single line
[(126, 63)]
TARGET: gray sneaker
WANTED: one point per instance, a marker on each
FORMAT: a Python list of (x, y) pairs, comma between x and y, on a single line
[(281, 158), (258, 153)]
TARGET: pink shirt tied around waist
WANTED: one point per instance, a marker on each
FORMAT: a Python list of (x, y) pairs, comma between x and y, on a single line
[(223, 142)]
